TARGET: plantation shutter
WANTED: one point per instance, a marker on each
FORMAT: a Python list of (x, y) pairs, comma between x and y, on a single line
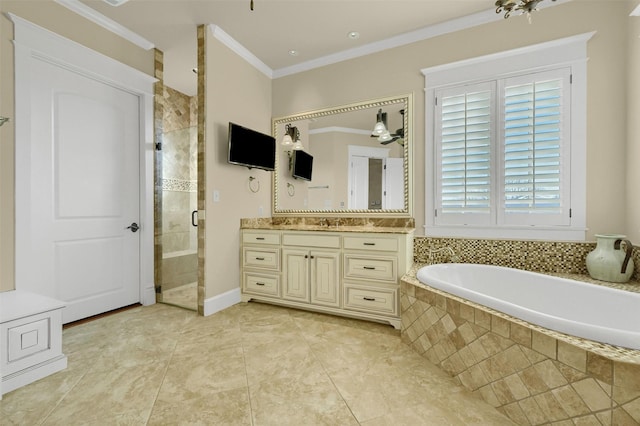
[(535, 153), (464, 177)]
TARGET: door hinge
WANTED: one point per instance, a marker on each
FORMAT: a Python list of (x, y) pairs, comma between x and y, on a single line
[(159, 146), (436, 212), (570, 78), (570, 212)]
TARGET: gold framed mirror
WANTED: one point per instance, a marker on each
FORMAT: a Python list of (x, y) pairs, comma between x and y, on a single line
[(344, 170)]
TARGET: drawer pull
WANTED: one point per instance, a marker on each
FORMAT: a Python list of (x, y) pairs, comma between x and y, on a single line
[(371, 268), (259, 258), (260, 238), (369, 244), (369, 299), (261, 284)]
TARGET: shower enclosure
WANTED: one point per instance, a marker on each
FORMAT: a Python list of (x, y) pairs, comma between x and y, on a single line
[(179, 201)]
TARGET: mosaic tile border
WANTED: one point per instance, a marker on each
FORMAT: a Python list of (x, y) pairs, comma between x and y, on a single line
[(555, 257), (180, 185)]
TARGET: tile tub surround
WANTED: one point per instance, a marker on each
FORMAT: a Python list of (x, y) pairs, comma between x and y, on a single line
[(340, 224), (532, 374)]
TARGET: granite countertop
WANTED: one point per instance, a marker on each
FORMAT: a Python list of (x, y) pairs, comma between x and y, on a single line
[(357, 225)]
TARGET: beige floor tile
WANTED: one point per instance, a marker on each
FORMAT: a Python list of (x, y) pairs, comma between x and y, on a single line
[(312, 400), (251, 364), (222, 408), (193, 374), (121, 396)]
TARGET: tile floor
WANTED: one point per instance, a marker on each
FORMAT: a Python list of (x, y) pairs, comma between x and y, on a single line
[(251, 364), (185, 296)]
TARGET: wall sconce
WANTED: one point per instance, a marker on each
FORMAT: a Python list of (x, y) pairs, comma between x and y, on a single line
[(291, 139), (3, 120), (291, 142)]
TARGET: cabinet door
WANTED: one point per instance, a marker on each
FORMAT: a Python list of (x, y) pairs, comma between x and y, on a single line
[(325, 279), (296, 273)]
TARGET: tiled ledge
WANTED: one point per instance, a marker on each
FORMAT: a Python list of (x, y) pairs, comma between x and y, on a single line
[(531, 374), (332, 224), (614, 353)]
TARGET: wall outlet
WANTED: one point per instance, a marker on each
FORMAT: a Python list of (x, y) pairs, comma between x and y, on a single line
[(216, 196)]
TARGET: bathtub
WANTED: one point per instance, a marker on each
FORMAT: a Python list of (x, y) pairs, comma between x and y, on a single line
[(589, 311)]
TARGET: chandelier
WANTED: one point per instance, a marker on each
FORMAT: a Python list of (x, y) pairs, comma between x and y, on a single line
[(524, 6)]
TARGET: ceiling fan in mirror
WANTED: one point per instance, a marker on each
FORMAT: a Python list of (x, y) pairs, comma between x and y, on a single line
[(381, 131)]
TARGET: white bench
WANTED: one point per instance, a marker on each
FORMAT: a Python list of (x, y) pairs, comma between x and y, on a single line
[(30, 338)]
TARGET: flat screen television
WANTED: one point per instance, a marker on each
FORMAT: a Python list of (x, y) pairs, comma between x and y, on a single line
[(250, 148), (302, 165)]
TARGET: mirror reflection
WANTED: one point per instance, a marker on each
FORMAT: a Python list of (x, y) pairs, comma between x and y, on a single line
[(351, 159)]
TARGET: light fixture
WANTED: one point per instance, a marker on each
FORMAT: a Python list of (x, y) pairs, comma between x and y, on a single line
[(524, 6), (291, 142), (3, 120), (293, 52), (381, 126), (353, 35), (290, 133), (383, 134)]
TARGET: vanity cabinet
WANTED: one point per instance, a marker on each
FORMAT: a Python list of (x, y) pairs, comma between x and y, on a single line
[(346, 273), (261, 263), (311, 276)]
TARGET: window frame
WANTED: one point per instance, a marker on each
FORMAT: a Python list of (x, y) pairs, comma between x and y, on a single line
[(570, 52)]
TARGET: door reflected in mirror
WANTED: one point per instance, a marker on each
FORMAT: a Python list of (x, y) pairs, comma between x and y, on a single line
[(354, 172)]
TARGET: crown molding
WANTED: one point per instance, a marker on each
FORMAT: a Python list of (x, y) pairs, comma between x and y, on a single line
[(240, 50), (425, 33), (109, 24)]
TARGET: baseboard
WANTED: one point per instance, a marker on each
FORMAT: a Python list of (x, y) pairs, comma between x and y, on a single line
[(33, 373), (221, 301), (148, 296)]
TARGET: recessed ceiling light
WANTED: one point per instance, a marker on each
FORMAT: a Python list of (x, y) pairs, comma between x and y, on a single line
[(293, 52), (353, 35)]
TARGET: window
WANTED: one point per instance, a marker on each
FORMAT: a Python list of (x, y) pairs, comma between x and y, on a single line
[(506, 144)]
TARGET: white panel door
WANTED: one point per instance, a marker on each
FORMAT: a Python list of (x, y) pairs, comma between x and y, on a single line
[(394, 183), (84, 192), (359, 179)]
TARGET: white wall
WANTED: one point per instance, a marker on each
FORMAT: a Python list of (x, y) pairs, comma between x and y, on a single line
[(235, 91), (397, 71)]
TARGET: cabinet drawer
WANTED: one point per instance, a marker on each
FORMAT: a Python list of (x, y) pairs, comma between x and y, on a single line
[(262, 284), (372, 300), (371, 243), (311, 240), (261, 238), (261, 258), (370, 267)]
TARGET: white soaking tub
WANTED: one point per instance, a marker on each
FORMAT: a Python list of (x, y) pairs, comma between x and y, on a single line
[(585, 310)]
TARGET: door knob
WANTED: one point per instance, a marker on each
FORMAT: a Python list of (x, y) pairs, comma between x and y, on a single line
[(134, 227)]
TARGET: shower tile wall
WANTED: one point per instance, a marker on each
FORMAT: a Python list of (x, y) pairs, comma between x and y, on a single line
[(179, 189)]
